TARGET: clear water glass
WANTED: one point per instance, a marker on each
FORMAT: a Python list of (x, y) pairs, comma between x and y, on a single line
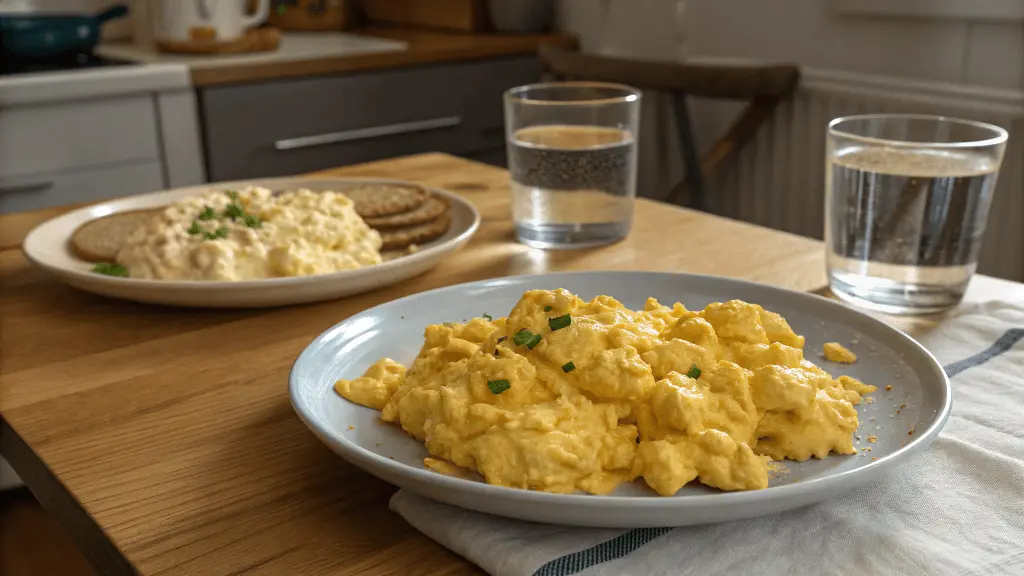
[(907, 198), (572, 150)]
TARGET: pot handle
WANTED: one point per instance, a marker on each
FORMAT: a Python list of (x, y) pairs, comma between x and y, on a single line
[(257, 17), (114, 12)]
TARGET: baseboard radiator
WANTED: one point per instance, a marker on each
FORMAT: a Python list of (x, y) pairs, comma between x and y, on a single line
[(778, 179)]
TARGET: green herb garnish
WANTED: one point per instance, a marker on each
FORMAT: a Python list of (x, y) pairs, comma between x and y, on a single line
[(498, 386), (110, 270), (207, 214), (232, 194), (547, 308), (194, 228), (218, 233), (694, 372), (252, 221), (559, 322), (233, 211), (522, 337), (487, 317), (534, 341), (568, 367)]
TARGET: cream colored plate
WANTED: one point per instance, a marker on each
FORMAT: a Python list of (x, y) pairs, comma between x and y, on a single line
[(47, 247)]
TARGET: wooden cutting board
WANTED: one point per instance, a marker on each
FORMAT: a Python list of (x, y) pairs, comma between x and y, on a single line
[(462, 15), (310, 15)]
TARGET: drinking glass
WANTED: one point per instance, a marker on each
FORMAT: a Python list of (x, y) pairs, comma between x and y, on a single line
[(907, 197), (572, 157)]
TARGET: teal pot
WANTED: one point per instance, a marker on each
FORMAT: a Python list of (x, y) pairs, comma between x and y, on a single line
[(51, 36)]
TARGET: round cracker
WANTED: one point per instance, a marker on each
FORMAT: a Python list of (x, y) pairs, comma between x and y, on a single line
[(376, 200), (100, 239), (429, 210), (395, 238)]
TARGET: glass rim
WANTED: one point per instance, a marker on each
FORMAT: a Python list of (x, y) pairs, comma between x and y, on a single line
[(1001, 134), (631, 94)]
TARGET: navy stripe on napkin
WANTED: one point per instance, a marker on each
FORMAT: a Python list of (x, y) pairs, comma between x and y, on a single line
[(1003, 344), (612, 549)]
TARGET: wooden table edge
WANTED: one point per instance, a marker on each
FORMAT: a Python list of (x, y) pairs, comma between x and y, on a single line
[(89, 538)]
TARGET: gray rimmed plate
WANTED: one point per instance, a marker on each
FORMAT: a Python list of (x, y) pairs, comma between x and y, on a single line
[(905, 419)]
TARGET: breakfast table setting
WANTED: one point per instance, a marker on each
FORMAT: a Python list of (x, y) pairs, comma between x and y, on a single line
[(248, 427)]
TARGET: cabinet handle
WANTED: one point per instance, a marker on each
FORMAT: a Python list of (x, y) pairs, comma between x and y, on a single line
[(367, 133), (24, 188)]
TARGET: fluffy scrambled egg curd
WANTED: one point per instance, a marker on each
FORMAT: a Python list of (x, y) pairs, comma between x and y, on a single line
[(836, 352), (251, 234), (566, 395)]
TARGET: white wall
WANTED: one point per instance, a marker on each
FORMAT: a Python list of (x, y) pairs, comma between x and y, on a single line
[(811, 33), (808, 32)]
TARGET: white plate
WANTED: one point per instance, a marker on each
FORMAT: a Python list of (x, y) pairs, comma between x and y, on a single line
[(47, 247), (887, 357)]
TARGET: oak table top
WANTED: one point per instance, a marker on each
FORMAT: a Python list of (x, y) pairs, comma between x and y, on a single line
[(163, 439)]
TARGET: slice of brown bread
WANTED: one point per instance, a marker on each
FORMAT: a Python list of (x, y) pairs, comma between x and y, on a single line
[(100, 239), (395, 238), (429, 210), (376, 200)]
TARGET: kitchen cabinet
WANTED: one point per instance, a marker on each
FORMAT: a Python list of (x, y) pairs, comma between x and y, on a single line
[(73, 136), (293, 126)]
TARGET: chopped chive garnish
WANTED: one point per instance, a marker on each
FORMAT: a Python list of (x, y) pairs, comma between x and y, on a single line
[(252, 221), (194, 228), (559, 322), (233, 211), (568, 367), (498, 386), (487, 317), (547, 308), (534, 341), (694, 372), (110, 270), (502, 339), (219, 233), (207, 214), (522, 337)]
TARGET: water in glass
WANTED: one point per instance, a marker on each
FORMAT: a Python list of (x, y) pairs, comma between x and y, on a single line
[(572, 185), (904, 225)]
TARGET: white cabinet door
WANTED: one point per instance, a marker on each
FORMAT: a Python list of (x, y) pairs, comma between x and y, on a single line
[(24, 193)]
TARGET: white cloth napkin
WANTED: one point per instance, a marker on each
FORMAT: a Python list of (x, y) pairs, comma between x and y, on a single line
[(957, 508)]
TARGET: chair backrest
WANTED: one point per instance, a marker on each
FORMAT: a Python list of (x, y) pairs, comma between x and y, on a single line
[(763, 86)]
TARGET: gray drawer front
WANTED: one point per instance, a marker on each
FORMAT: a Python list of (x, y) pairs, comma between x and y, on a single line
[(76, 135), (299, 126), (23, 193)]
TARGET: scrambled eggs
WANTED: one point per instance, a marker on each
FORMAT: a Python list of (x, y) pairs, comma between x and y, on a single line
[(566, 395), (836, 352), (251, 234)]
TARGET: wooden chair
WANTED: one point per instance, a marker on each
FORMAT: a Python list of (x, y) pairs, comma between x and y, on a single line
[(764, 86)]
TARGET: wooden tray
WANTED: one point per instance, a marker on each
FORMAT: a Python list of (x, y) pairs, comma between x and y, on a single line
[(255, 40)]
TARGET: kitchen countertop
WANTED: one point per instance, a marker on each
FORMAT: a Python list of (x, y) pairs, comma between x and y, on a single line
[(320, 53), (46, 87)]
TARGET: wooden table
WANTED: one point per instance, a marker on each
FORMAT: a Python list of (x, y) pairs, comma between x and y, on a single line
[(163, 439)]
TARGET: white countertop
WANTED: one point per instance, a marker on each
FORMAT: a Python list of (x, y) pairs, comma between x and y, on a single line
[(156, 71), (294, 46), (45, 87)]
